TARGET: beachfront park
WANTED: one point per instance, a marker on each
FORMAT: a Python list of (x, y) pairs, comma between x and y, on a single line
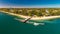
[(49, 16)]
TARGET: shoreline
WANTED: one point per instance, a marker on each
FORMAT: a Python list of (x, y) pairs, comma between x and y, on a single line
[(33, 18)]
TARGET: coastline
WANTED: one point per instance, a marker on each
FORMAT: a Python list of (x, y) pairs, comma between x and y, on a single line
[(33, 18)]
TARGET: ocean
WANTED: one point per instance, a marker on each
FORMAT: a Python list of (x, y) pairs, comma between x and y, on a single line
[(8, 25)]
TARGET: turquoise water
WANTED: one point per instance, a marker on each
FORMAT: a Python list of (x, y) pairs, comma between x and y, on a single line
[(8, 25)]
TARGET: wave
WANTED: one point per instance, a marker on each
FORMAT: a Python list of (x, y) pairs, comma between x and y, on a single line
[(34, 23)]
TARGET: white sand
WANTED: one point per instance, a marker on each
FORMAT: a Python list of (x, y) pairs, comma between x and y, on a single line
[(33, 18)]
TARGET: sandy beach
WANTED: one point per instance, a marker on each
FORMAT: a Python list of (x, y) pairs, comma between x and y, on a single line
[(33, 18)]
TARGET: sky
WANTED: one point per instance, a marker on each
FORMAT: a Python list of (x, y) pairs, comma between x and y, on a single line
[(30, 3)]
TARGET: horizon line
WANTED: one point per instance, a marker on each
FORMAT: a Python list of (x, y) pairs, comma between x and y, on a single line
[(33, 6)]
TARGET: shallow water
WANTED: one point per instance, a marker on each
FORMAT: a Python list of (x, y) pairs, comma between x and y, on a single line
[(8, 25)]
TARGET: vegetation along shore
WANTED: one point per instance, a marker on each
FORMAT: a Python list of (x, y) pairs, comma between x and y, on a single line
[(37, 13)]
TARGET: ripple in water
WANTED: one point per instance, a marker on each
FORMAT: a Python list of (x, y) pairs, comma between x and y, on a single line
[(34, 23)]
